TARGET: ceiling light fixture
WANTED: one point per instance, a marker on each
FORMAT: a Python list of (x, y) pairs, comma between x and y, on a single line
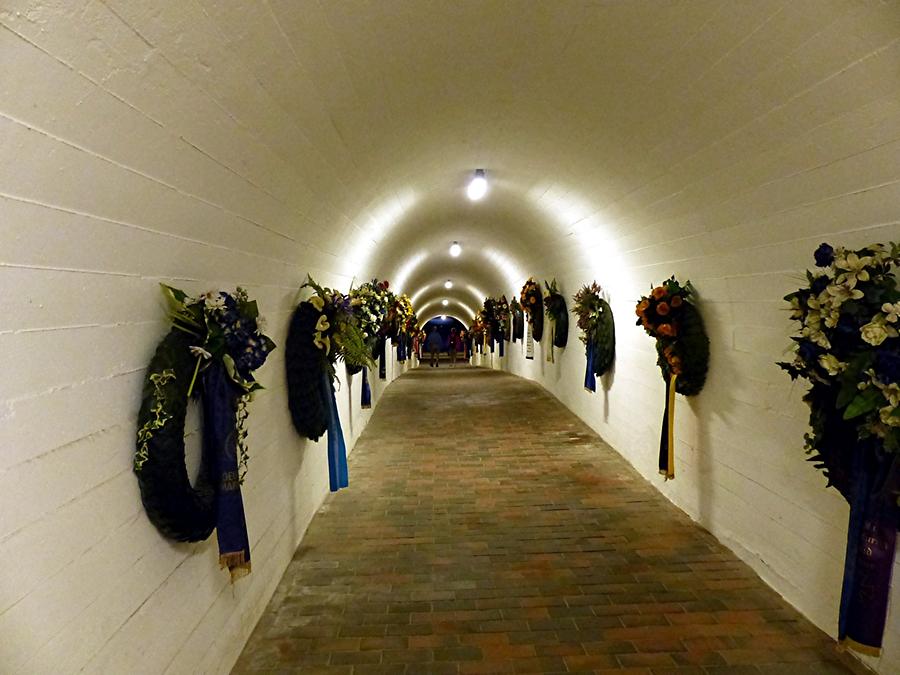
[(448, 284), (443, 317), (445, 302), (455, 249), (477, 186)]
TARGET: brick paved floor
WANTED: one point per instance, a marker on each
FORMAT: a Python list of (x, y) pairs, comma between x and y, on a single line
[(488, 530)]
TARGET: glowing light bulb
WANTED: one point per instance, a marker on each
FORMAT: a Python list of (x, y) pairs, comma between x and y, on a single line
[(448, 284), (455, 249), (445, 302), (477, 186), (443, 317)]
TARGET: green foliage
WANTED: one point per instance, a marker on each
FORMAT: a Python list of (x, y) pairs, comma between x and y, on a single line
[(595, 319)]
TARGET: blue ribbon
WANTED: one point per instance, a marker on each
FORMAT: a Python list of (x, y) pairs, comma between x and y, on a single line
[(220, 435), (382, 359), (337, 450), (401, 348), (871, 544), (590, 379), (366, 400), (501, 343)]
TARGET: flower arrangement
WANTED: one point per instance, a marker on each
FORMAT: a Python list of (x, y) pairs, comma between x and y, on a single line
[(490, 313), (669, 315), (210, 353), (223, 328), (555, 304), (505, 317), (372, 302), (533, 306), (598, 332), (847, 345), (478, 331), (682, 347), (322, 328)]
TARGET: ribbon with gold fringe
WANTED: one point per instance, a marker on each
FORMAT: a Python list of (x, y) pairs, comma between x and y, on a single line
[(220, 434), (871, 546), (667, 437), (552, 333)]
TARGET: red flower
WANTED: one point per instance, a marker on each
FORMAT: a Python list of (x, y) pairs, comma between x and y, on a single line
[(662, 309), (659, 293), (666, 329), (676, 301)]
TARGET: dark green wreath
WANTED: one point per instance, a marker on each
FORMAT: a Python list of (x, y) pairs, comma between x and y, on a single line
[(604, 338), (555, 304), (180, 511), (692, 345), (305, 366)]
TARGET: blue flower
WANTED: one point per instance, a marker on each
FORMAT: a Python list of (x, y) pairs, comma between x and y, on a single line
[(847, 325), (809, 351), (824, 255), (887, 366), (819, 284)]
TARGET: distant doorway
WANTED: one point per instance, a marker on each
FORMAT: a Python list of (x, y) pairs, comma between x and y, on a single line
[(444, 325)]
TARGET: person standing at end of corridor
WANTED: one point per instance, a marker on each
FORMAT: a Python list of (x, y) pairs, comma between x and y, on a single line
[(434, 343)]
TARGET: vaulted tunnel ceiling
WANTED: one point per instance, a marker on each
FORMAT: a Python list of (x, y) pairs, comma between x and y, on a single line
[(596, 121)]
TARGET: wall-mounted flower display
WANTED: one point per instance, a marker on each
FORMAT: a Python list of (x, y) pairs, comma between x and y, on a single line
[(555, 304), (322, 329), (847, 346), (215, 344), (533, 305), (669, 315), (598, 332)]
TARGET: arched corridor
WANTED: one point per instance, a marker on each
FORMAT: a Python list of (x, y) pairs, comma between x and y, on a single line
[(490, 531), (217, 145)]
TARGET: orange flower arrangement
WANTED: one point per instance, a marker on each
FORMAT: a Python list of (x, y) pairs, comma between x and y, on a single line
[(533, 303), (682, 350), (663, 315)]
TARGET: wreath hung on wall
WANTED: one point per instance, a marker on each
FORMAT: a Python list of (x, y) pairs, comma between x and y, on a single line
[(210, 353), (505, 315), (555, 304), (598, 332), (533, 305), (847, 345), (494, 315), (517, 319), (375, 304), (669, 315), (322, 329)]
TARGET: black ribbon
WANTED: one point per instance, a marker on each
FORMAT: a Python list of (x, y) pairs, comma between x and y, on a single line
[(666, 437)]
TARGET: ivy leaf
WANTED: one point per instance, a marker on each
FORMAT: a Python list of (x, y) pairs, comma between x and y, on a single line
[(864, 402)]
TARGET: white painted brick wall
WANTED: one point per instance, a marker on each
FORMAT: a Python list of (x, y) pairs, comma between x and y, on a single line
[(740, 466), (215, 143), (120, 172)]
